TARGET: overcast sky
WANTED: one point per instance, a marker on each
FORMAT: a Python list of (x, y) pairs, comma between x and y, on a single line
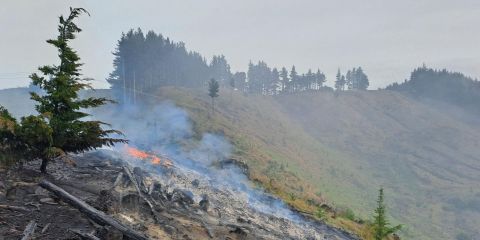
[(387, 38)]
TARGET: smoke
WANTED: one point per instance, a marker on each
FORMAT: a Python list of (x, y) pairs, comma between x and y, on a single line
[(167, 130)]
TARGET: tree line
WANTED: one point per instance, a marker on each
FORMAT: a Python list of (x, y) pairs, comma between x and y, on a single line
[(145, 62), (451, 87), (354, 79)]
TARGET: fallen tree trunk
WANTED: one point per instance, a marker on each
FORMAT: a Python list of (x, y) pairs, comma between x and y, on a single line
[(96, 215), (29, 230)]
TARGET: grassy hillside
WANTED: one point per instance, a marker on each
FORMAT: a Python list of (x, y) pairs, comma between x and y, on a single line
[(342, 148), (322, 147), (426, 158)]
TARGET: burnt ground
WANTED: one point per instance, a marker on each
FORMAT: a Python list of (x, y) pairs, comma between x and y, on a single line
[(182, 206)]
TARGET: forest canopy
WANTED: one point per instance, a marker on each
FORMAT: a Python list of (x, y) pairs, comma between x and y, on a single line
[(145, 62), (451, 87)]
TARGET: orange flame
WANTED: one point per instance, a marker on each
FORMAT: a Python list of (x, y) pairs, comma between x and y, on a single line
[(154, 159), (137, 153)]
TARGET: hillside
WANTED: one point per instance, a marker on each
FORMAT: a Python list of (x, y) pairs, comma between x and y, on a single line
[(345, 147), (342, 148)]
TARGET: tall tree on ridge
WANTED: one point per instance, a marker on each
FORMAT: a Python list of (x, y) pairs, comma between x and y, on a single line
[(213, 89), (293, 79), (284, 79), (275, 79), (319, 79), (339, 81), (362, 79)]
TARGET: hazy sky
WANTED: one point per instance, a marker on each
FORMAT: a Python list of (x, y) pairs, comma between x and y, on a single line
[(387, 38)]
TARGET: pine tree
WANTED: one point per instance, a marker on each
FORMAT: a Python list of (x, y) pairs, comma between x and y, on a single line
[(284, 79), (239, 80), (309, 79), (380, 222), (62, 130), (362, 79), (293, 79), (275, 79), (340, 81), (319, 79), (213, 89), (349, 79)]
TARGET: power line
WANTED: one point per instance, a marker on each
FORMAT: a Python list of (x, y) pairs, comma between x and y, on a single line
[(16, 77), (15, 73)]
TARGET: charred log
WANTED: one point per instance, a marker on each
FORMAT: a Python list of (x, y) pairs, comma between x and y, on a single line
[(96, 215)]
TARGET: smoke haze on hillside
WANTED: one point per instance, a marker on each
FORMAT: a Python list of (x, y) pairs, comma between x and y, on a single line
[(387, 39)]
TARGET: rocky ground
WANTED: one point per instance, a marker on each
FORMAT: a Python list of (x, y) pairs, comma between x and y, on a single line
[(165, 202)]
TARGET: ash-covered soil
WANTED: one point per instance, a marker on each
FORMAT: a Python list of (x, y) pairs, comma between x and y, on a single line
[(161, 202)]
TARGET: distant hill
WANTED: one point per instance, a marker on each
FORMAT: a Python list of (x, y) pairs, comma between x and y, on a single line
[(450, 87)]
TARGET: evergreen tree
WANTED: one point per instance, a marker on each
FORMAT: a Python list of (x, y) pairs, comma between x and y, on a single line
[(381, 225), (284, 79), (319, 79), (349, 79), (357, 79), (239, 80), (274, 81), (308, 81), (213, 89), (59, 128), (362, 79), (293, 79), (339, 81), (151, 61), (220, 69)]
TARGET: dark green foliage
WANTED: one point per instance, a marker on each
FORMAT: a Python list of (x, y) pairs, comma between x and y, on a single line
[(450, 87), (284, 80), (381, 225), (59, 129), (10, 143), (356, 79), (144, 63), (348, 214), (339, 81), (320, 213), (239, 81), (220, 69), (213, 89), (264, 80)]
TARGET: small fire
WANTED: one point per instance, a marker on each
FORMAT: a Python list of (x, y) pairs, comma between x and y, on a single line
[(137, 153), (154, 159)]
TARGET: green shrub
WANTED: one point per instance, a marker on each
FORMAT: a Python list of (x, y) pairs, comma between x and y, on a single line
[(347, 213), (321, 213)]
